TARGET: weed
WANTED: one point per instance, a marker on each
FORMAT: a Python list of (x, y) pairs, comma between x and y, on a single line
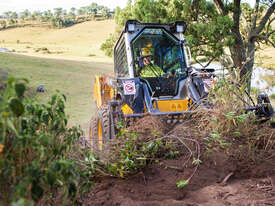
[(196, 161), (182, 183), (231, 129)]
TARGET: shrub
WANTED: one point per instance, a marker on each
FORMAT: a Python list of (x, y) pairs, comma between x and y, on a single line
[(233, 130), (36, 165), (108, 45)]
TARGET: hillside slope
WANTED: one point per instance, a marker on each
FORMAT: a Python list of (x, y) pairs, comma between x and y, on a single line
[(81, 40)]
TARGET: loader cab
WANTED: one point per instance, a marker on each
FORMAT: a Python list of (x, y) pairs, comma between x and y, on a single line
[(154, 53), (157, 54)]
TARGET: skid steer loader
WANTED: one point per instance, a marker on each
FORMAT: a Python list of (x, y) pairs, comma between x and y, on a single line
[(152, 76)]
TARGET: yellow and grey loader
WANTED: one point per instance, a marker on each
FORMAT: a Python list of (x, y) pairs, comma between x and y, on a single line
[(152, 76)]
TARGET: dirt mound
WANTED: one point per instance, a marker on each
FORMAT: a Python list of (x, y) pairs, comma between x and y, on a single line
[(157, 186), (150, 126), (220, 179)]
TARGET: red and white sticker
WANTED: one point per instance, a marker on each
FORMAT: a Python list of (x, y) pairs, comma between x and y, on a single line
[(208, 83), (129, 87)]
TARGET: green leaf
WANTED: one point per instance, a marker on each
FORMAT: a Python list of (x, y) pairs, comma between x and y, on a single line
[(20, 89), (16, 106), (11, 126), (182, 183)]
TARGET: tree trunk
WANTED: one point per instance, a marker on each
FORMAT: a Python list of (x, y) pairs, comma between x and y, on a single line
[(238, 52), (246, 71)]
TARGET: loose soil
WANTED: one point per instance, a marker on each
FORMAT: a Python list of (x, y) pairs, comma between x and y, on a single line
[(219, 181)]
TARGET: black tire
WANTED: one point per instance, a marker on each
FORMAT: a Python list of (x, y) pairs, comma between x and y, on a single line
[(101, 128)]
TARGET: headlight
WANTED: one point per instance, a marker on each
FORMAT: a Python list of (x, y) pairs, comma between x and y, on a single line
[(131, 27), (179, 28)]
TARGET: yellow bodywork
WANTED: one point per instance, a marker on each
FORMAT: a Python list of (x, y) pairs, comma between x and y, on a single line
[(126, 109), (100, 136), (172, 105), (102, 90)]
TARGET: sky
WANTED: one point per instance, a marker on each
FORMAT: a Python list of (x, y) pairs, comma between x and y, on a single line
[(42, 5)]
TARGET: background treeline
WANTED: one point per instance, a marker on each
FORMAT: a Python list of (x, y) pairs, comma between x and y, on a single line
[(59, 17)]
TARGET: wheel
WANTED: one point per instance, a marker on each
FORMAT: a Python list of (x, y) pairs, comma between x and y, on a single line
[(93, 133), (101, 128)]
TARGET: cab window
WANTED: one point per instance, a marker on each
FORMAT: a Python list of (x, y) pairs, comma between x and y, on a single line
[(157, 53)]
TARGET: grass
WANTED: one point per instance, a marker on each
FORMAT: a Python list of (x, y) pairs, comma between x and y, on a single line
[(265, 58), (80, 40), (73, 78)]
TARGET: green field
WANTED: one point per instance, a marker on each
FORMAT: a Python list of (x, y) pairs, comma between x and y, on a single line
[(73, 78)]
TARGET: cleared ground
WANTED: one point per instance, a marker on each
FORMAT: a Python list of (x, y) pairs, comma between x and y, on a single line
[(72, 78)]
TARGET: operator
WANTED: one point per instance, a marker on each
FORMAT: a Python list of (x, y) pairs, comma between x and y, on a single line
[(172, 74), (146, 68)]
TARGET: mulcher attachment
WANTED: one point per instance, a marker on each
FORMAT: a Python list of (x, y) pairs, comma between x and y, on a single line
[(263, 109)]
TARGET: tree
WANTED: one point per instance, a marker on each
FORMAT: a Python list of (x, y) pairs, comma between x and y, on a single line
[(36, 15), (26, 14), (73, 10), (3, 23), (14, 15), (71, 14), (82, 10), (47, 15), (64, 12), (213, 26), (7, 14), (105, 11), (258, 27), (58, 11), (93, 9)]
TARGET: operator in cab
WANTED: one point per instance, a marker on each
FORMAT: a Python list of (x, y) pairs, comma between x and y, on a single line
[(146, 67)]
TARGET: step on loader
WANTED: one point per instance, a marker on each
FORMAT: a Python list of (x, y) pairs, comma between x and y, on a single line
[(152, 75)]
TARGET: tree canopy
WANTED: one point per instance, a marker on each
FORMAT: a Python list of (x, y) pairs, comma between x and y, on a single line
[(213, 26)]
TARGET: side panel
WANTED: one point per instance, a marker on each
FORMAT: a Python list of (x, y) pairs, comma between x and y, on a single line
[(102, 90), (171, 105)]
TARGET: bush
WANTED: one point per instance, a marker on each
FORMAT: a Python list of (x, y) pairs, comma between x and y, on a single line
[(233, 130), (108, 45), (36, 147)]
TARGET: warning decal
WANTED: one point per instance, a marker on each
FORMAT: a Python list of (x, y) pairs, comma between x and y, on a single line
[(129, 88)]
